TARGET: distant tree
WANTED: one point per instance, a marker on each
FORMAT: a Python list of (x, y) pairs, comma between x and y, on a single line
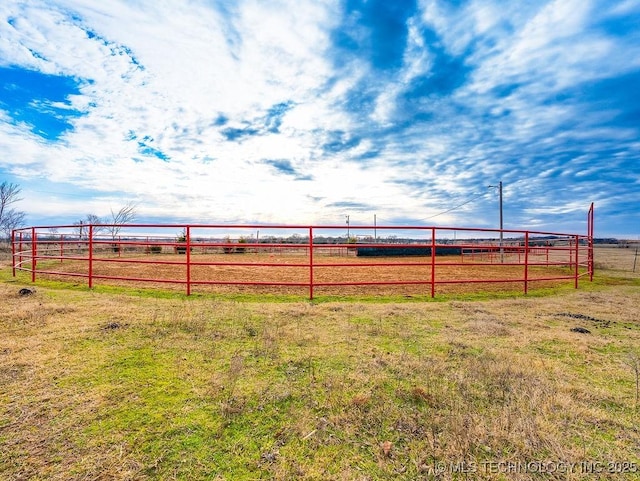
[(82, 226), (125, 215), (9, 218), (93, 219), (96, 222)]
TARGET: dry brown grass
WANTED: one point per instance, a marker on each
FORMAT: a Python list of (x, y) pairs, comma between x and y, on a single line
[(122, 386), (618, 260)]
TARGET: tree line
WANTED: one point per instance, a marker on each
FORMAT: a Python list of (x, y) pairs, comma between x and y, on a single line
[(125, 215)]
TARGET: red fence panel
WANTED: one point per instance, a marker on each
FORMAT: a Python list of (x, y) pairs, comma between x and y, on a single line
[(299, 256)]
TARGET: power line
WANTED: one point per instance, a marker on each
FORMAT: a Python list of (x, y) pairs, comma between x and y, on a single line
[(468, 201), (454, 208)]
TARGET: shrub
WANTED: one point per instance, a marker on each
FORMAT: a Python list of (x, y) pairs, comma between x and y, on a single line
[(228, 249), (182, 237), (241, 250)]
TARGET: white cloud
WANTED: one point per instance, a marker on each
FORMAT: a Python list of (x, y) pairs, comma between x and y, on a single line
[(186, 72)]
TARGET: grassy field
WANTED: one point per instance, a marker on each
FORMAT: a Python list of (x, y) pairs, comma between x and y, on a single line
[(129, 385)]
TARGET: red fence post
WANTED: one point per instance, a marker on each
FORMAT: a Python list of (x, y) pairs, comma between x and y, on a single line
[(577, 260), (526, 262), (20, 247), (90, 256), (433, 262), (310, 263), (34, 251), (188, 254), (570, 264), (13, 251), (61, 247), (590, 240)]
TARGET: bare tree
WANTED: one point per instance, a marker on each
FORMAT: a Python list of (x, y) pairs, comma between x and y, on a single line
[(95, 221), (125, 215), (82, 226), (12, 219), (9, 218)]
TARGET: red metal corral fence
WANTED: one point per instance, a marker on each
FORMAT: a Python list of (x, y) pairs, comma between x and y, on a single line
[(285, 258)]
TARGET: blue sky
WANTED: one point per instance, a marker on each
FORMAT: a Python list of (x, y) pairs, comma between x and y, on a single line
[(309, 111)]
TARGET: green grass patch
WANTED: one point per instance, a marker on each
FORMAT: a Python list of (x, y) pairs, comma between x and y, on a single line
[(158, 292)]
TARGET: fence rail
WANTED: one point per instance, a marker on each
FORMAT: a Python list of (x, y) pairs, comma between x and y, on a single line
[(308, 257)]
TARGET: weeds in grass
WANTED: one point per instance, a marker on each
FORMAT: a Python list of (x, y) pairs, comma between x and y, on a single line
[(633, 361), (231, 404)]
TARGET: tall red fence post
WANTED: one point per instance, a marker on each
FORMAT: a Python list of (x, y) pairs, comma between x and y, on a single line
[(590, 240), (577, 260), (188, 254), (526, 262), (310, 263), (433, 262), (34, 251), (90, 256), (61, 247)]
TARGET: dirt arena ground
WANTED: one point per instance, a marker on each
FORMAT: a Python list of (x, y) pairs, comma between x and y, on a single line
[(454, 274)]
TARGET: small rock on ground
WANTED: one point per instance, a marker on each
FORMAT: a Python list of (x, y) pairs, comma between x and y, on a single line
[(581, 330)]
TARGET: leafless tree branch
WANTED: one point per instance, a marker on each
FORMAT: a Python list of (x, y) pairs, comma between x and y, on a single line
[(125, 215), (9, 218)]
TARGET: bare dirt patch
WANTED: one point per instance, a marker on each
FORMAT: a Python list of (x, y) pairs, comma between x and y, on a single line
[(290, 273)]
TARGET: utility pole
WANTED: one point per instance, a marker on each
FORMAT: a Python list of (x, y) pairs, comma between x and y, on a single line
[(375, 232), (348, 236), (499, 186), (501, 226)]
